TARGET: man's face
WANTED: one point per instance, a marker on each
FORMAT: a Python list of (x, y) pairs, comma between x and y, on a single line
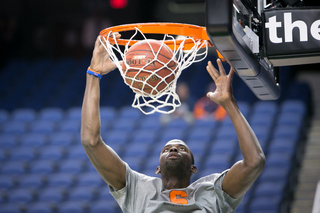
[(175, 158)]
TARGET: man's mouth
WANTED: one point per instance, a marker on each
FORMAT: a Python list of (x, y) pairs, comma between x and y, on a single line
[(173, 155)]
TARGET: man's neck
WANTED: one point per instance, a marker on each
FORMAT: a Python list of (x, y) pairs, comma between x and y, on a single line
[(175, 183)]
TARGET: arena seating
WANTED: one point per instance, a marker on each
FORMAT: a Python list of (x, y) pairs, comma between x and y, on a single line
[(44, 167)]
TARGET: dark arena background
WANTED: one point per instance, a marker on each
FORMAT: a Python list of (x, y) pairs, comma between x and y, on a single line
[(45, 50)]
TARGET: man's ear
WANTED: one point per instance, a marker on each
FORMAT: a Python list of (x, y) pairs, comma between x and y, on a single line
[(194, 169), (158, 170)]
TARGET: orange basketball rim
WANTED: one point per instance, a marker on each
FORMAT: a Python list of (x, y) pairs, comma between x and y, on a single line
[(192, 32)]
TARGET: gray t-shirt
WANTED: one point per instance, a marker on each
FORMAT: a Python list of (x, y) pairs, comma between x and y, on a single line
[(147, 194)]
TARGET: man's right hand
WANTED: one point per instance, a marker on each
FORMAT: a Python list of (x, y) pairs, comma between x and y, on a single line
[(101, 61)]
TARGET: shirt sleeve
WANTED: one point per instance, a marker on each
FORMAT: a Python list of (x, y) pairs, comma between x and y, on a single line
[(121, 195), (226, 202)]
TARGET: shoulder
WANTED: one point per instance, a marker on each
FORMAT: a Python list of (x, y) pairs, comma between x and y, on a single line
[(135, 178), (214, 178)]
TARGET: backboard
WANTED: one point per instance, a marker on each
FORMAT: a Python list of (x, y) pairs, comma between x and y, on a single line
[(257, 39), (233, 27)]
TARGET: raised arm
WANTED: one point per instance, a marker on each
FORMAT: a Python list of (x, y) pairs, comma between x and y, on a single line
[(243, 173), (105, 160)]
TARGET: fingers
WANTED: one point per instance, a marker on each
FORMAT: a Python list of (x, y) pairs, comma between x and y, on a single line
[(97, 42), (221, 68), (231, 73), (212, 71)]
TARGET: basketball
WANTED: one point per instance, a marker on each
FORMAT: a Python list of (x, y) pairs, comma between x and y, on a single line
[(150, 65)]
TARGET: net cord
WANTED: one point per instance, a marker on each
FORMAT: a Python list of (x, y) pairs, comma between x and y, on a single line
[(167, 100)]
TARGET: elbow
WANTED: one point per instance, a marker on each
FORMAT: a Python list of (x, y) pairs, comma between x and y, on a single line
[(89, 136), (257, 163), (90, 140)]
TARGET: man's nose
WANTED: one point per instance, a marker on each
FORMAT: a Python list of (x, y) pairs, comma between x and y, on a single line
[(173, 149)]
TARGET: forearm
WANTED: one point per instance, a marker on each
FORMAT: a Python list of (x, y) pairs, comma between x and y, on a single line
[(90, 115), (253, 155)]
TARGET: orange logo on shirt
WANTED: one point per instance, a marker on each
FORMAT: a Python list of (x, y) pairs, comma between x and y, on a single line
[(178, 197)]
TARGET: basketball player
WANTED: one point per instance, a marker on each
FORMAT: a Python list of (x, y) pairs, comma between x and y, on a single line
[(135, 192)]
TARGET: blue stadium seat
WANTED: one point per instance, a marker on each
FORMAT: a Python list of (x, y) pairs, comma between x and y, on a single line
[(43, 167), (43, 126), (177, 123), (40, 207), (90, 179), (224, 146), (14, 127), (73, 113), (226, 122), (226, 132), (271, 174), (52, 195), (261, 204), (52, 114), (245, 108), (262, 132), (137, 149), (103, 206), (152, 163), (23, 153), (287, 131), (150, 123), (11, 208), (106, 125), (8, 140), (290, 118), (269, 107), (294, 106), (262, 119), (269, 189), (145, 136), (218, 161), (71, 206), (72, 126), (33, 181), (135, 163), (51, 153), (124, 124), (74, 166), (130, 113), (104, 194), (200, 133), (198, 147), (3, 154), (33, 139), (282, 145), (4, 116), (207, 123), (13, 168), (65, 180), (107, 113), (77, 152), (81, 193), (23, 114), (115, 137), (64, 139), (172, 133), (279, 160), (21, 196), (7, 182)]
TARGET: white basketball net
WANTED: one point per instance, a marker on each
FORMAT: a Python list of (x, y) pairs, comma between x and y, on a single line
[(166, 100)]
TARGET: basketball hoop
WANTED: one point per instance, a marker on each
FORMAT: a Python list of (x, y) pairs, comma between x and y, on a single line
[(185, 52)]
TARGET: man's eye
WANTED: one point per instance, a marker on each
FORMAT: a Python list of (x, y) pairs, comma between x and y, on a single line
[(182, 148)]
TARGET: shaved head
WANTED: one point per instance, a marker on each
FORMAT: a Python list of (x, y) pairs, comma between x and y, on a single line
[(180, 142)]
